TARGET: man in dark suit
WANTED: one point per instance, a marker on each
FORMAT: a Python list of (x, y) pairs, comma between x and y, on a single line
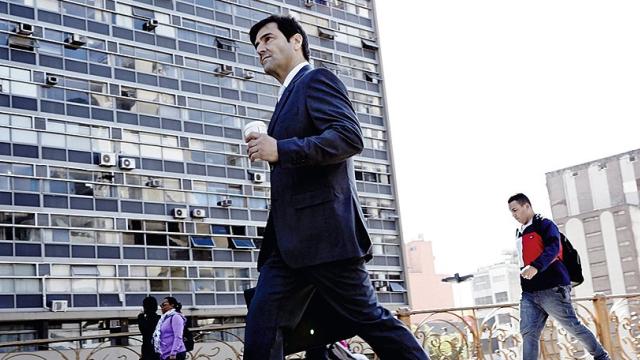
[(315, 234)]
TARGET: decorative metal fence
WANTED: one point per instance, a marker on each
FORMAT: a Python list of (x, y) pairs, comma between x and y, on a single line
[(480, 332)]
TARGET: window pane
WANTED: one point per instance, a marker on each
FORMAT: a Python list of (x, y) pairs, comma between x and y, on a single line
[(84, 285), (28, 286), (135, 285), (109, 286), (53, 140), (24, 269), (58, 286), (24, 136), (6, 286)]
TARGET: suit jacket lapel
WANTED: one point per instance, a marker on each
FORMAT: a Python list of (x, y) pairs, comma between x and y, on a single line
[(285, 97)]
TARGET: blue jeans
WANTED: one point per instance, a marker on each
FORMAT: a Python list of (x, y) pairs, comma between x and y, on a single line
[(535, 308)]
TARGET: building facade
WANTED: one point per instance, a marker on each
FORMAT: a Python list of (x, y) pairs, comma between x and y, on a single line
[(426, 289), (596, 205), (122, 168)]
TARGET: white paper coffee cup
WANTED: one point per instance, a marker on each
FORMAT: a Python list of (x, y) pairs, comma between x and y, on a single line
[(254, 126)]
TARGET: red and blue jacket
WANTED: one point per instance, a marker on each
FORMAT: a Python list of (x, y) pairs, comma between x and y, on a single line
[(539, 246)]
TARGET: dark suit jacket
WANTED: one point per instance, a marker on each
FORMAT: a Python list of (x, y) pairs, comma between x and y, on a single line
[(315, 215)]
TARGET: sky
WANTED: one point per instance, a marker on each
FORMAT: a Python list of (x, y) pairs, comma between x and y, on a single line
[(486, 97)]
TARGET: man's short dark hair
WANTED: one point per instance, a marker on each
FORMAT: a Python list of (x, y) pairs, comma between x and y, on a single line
[(287, 26), (520, 198)]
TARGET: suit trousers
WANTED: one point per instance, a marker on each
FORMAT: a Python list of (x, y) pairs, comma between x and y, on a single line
[(346, 286)]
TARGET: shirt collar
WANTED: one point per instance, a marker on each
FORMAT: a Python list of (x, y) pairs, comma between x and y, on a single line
[(290, 77), (523, 227)]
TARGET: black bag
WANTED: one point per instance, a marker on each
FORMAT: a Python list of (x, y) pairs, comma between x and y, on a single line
[(319, 324), (571, 260), (187, 337)]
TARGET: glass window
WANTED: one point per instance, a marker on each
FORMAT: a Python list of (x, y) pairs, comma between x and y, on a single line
[(22, 184), (79, 143), (82, 270), (6, 286), (60, 270), (53, 140), (84, 286), (99, 145), (5, 134), (137, 271), (78, 129), (49, 5), (172, 154), (20, 74), (82, 236), (24, 136), (59, 286), (73, 9), (180, 285), (154, 152), (158, 271), (159, 285), (109, 286), (105, 237), (152, 195), (135, 286)]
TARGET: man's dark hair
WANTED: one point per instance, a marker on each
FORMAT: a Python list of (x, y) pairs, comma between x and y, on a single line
[(150, 305), (520, 198), (287, 25)]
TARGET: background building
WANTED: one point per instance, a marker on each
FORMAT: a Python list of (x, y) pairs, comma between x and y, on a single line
[(122, 168), (596, 205), (426, 289)]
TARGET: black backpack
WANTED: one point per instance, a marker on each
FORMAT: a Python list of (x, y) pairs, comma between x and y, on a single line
[(571, 260), (187, 337)]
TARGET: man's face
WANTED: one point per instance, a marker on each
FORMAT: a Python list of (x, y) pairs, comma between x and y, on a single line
[(277, 55), (522, 213)]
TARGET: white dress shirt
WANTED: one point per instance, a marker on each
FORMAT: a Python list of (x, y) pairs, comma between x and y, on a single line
[(290, 77)]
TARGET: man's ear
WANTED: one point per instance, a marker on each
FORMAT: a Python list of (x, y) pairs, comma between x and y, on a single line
[(297, 41)]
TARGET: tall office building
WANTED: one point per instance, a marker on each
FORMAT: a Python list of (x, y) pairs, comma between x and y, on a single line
[(596, 205), (122, 168)]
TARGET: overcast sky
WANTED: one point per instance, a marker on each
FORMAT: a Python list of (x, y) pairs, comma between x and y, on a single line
[(485, 97)]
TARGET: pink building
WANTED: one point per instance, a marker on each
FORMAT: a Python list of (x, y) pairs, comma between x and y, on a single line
[(426, 290)]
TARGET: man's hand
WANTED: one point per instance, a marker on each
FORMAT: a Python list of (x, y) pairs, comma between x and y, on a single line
[(528, 272), (262, 147), (172, 357)]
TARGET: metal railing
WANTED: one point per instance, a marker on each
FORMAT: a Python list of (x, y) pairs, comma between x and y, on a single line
[(479, 332), (492, 331)]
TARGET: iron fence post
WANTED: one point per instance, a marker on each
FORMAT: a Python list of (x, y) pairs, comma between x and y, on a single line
[(603, 324)]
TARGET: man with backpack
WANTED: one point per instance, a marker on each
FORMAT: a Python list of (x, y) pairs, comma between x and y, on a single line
[(545, 282)]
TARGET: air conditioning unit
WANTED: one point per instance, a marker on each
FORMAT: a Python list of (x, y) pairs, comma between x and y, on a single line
[(248, 74), (154, 183), (24, 29), (225, 203), (150, 25), (309, 3), (107, 159), (199, 213), (258, 178), (127, 163), (76, 40), (179, 213), (224, 69), (52, 80), (59, 305)]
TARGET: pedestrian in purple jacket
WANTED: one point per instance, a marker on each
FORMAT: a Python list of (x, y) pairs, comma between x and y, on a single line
[(167, 339)]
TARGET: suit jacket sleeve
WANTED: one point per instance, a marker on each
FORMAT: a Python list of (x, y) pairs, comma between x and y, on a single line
[(331, 112), (551, 241)]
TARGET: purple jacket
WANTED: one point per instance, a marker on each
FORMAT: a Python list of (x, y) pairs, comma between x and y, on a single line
[(171, 336)]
